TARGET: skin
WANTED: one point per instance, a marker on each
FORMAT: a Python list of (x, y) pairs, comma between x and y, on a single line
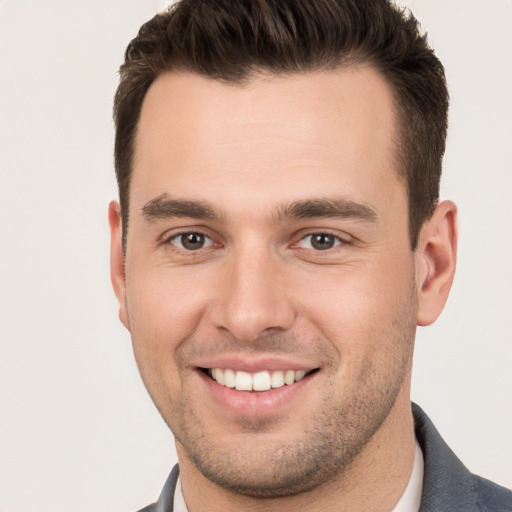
[(258, 292)]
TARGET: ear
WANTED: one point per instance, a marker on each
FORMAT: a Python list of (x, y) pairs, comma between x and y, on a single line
[(117, 259), (436, 258)]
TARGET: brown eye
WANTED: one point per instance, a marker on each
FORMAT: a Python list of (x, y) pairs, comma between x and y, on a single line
[(319, 241), (191, 241)]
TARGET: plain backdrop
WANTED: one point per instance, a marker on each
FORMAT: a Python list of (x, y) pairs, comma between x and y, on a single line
[(77, 429)]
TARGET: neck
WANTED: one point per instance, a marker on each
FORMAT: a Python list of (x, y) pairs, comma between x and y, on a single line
[(374, 482)]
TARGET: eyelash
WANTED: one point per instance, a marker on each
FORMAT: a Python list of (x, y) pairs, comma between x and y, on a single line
[(169, 240), (338, 241)]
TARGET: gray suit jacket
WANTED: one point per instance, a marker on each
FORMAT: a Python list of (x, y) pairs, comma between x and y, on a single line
[(447, 485)]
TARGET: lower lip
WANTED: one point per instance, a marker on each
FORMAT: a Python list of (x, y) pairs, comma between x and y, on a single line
[(256, 403)]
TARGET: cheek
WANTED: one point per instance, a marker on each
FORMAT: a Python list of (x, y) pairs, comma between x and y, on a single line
[(362, 309), (163, 305), (162, 311)]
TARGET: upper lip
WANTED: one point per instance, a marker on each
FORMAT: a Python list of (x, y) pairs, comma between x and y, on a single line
[(255, 364)]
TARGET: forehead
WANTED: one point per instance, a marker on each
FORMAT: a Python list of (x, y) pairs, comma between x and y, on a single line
[(274, 135)]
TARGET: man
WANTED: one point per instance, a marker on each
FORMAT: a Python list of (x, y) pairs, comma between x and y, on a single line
[(279, 236)]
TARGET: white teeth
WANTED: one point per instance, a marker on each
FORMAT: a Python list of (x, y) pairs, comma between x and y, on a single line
[(229, 378), (243, 381), (299, 374), (218, 375), (277, 380), (260, 381), (289, 377)]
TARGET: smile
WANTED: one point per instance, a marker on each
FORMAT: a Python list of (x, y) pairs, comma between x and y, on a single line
[(259, 381)]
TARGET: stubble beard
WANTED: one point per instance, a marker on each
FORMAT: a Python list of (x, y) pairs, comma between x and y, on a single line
[(326, 449)]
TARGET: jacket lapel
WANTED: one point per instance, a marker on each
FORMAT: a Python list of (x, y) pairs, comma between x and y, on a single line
[(447, 484)]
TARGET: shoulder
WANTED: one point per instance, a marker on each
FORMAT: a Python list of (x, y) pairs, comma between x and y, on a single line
[(447, 483), (149, 508), (491, 497), (166, 500)]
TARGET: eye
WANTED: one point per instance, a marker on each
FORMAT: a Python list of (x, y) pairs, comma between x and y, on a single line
[(319, 241), (191, 241)]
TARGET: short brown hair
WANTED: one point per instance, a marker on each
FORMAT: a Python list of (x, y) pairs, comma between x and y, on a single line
[(232, 40)]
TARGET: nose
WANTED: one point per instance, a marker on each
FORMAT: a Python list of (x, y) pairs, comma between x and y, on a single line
[(252, 300)]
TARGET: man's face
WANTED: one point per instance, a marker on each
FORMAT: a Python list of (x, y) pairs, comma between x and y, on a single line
[(268, 239)]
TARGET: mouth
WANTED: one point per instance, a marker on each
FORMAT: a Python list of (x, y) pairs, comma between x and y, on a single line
[(259, 381)]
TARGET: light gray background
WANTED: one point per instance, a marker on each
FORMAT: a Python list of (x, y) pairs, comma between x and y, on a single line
[(77, 430)]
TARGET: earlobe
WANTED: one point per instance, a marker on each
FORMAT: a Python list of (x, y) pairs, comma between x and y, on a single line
[(436, 258), (117, 259)]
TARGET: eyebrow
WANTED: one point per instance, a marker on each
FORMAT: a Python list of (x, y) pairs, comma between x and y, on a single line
[(326, 208), (165, 207)]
